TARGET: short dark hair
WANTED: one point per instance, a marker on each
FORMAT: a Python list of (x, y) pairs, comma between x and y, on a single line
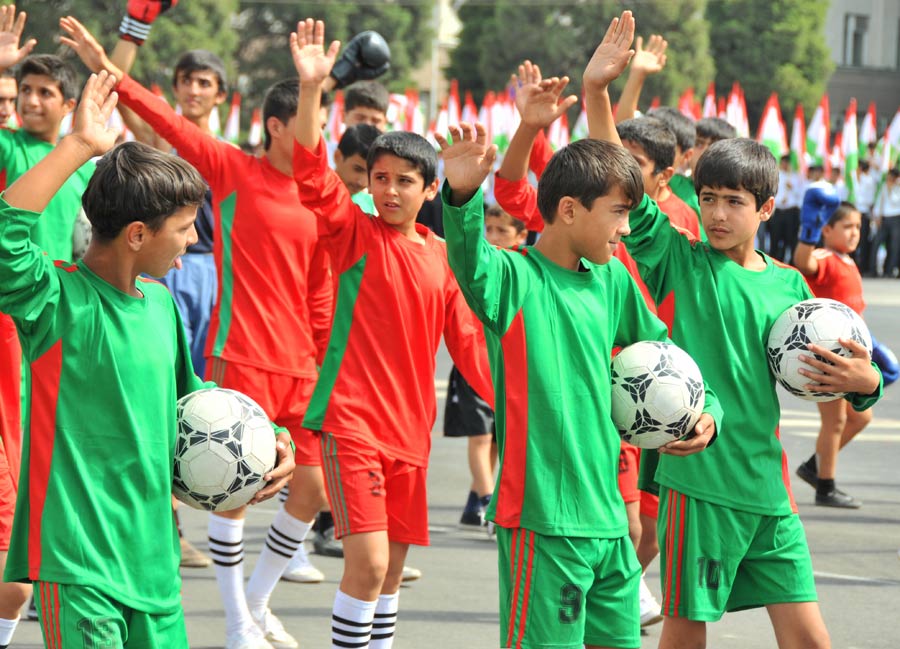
[(281, 102), (653, 136), (785, 158), (357, 140), (201, 61), (413, 148), (894, 172), (135, 182), (368, 94), (51, 66), (586, 170), (864, 165), (738, 163), (715, 129), (844, 209), (679, 123), (497, 212)]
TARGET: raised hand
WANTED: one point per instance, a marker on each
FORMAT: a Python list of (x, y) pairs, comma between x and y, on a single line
[(529, 75), (613, 53), (835, 373), (83, 43), (90, 123), (469, 160), (312, 61), (11, 27), (541, 105), (651, 59)]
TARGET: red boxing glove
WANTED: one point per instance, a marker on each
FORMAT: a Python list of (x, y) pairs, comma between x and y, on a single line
[(135, 26)]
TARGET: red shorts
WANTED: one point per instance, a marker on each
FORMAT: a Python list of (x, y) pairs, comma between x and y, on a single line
[(284, 399), (370, 492), (7, 501), (629, 467)]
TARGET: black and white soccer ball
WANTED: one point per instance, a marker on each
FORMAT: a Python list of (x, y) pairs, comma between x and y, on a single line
[(820, 321), (224, 446), (657, 394)]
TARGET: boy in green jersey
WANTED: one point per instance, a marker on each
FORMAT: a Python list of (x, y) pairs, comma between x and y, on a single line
[(568, 572), (98, 453), (727, 522)]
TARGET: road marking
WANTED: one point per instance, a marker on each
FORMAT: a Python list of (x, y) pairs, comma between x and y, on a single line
[(861, 580)]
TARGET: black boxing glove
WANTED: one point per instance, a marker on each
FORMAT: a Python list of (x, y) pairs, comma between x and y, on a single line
[(367, 56)]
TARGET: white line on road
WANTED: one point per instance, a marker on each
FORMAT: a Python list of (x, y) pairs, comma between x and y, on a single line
[(862, 580)]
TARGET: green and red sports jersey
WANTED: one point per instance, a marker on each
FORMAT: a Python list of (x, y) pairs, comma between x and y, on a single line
[(683, 188), (680, 215), (838, 278), (19, 152), (550, 333), (395, 299), (106, 371), (723, 314), (275, 295)]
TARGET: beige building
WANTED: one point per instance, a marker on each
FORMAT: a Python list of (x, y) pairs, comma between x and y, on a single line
[(864, 37)]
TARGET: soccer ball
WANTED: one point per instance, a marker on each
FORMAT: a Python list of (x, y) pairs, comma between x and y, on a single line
[(657, 394), (820, 321), (224, 447)]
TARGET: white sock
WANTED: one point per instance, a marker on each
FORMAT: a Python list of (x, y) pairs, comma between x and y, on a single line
[(286, 533), (7, 628), (351, 622), (385, 621), (226, 547)]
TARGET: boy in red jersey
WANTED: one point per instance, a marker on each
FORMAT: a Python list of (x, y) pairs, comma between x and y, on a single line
[(274, 286), (99, 462), (375, 403)]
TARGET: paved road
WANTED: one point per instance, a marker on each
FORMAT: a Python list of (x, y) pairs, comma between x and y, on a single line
[(455, 604)]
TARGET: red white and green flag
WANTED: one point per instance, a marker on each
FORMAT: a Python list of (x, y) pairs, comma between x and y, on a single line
[(850, 150), (799, 159), (771, 130), (469, 110), (254, 137), (709, 102), (233, 123), (334, 126), (580, 128), (867, 130), (817, 135), (558, 133)]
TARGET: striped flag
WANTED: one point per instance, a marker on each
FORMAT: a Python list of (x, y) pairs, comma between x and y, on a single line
[(867, 130), (580, 129), (484, 114), (771, 130), (470, 110), (453, 106), (709, 102), (334, 125), (558, 133), (254, 137), (817, 135), (215, 122), (415, 119), (686, 104), (233, 123), (799, 159), (396, 112), (850, 150)]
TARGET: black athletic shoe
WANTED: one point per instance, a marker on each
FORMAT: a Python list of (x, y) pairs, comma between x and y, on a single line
[(808, 472), (837, 498), (472, 518)]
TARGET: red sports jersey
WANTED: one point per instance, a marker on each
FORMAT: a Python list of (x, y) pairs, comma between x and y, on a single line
[(395, 299), (837, 278), (267, 257)]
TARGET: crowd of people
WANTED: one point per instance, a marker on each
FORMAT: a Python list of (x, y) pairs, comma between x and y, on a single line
[(313, 281)]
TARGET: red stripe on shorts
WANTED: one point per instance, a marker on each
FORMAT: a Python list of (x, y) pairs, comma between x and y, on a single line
[(681, 506), (517, 540), (527, 595)]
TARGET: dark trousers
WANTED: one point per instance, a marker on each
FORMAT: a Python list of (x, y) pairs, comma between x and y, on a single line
[(784, 228), (889, 235), (863, 254)]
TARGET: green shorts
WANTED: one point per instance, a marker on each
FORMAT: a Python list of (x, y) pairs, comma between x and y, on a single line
[(715, 559), (81, 617), (559, 591)]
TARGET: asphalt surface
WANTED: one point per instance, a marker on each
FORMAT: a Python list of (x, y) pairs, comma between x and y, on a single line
[(855, 553)]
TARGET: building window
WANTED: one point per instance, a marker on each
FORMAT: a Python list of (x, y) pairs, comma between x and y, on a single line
[(856, 28)]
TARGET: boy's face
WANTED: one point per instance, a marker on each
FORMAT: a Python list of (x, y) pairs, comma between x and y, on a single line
[(162, 250), (596, 233), (42, 106), (500, 233), (197, 93), (843, 236), (653, 182), (8, 93), (352, 170), (366, 115), (730, 217), (398, 189)]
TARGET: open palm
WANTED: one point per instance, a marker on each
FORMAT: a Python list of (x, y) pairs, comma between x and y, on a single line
[(11, 27), (312, 61), (90, 123), (613, 53)]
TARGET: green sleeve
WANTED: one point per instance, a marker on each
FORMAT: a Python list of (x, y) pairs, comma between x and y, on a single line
[(486, 275), (6, 146), (683, 188), (661, 252), (29, 286), (860, 402)]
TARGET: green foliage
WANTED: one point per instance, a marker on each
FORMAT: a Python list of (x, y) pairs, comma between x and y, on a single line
[(561, 39), (771, 45)]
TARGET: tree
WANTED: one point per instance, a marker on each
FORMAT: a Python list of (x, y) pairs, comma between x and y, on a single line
[(561, 38), (196, 24), (771, 46)]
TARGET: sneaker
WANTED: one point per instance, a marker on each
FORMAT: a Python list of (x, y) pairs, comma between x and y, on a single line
[(491, 530), (650, 608), (837, 498), (274, 631), (325, 544), (473, 514), (300, 570), (411, 574), (249, 638), (191, 557), (809, 473)]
